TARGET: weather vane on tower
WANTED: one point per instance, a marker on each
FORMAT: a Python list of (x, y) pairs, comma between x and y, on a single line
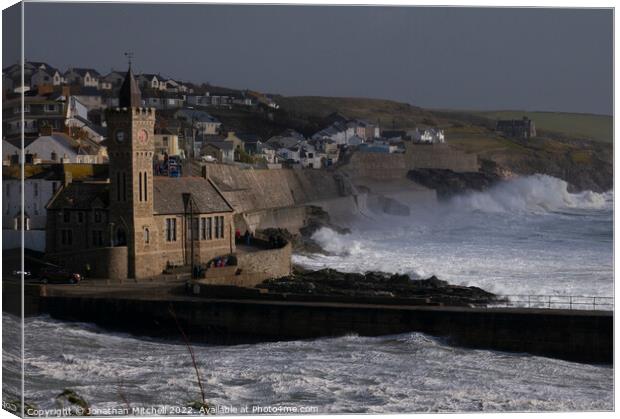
[(129, 56)]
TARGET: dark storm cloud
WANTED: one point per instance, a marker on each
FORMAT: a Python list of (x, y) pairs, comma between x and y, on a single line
[(544, 59), (11, 35)]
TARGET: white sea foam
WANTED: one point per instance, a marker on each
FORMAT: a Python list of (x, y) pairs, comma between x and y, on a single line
[(401, 373), (525, 236), (336, 243), (530, 194)]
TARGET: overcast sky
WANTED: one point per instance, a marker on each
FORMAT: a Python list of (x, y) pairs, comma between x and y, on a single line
[(475, 58)]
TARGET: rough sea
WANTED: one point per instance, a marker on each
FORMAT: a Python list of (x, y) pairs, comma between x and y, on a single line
[(525, 236)]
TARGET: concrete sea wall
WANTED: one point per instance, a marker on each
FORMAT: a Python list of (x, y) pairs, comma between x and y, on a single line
[(583, 336)]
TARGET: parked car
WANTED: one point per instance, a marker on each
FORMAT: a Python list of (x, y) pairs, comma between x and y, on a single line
[(58, 275)]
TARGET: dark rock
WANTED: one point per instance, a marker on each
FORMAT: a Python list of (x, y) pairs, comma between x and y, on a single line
[(332, 283), (448, 183), (316, 219)]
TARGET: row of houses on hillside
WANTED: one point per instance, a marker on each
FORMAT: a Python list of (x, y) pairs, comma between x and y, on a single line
[(99, 91), (38, 74), (47, 112)]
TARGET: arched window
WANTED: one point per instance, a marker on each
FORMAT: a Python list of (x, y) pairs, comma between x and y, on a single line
[(147, 236), (17, 222), (146, 196)]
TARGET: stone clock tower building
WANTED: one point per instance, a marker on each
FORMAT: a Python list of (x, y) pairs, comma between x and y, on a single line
[(130, 149), (135, 224)]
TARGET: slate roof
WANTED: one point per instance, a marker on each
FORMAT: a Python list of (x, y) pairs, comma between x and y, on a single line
[(168, 195), (283, 142), (221, 145), (82, 71), (196, 115), (129, 95), (88, 91), (150, 76), (17, 142), (249, 138), (80, 195), (97, 128)]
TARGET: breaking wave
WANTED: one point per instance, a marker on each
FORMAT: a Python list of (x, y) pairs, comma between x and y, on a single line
[(532, 194), (336, 243)]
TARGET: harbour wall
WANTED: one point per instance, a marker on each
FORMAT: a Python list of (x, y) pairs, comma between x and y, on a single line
[(264, 198), (582, 336), (382, 166), (259, 189)]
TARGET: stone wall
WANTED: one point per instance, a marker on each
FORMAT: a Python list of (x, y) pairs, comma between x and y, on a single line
[(439, 156), (291, 218), (383, 167), (153, 257), (258, 189), (376, 166), (272, 263), (105, 262)]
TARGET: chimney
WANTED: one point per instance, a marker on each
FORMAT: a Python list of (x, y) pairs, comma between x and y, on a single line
[(67, 178), (44, 89), (45, 131), (66, 92)]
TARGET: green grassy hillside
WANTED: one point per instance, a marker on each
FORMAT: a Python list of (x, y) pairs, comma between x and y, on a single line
[(595, 127), (388, 113)]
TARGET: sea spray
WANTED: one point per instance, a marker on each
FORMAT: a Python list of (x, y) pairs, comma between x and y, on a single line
[(410, 372), (335, 243), (530, 194), (524, 236)]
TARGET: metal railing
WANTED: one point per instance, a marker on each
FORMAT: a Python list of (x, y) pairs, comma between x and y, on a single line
[(570, 302)]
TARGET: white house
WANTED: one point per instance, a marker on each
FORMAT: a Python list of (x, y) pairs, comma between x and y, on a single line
[(86, 77), (337, 132), (77, 117), (354, 141), (111, 80), (428, 136), (202, 121), (57, 148), (149, 81), (310, 158), (163, 102), (38, 189), (223, 151), (46, 75), (268, 153)]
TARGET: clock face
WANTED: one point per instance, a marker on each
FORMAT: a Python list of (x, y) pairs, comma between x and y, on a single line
[(119, 136), (143, 137)]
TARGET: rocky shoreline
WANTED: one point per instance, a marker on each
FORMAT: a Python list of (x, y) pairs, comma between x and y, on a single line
[(448, 183), (302, 242), (332, 283)]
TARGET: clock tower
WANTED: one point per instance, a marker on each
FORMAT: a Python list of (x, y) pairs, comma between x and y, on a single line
[(130, 151)]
